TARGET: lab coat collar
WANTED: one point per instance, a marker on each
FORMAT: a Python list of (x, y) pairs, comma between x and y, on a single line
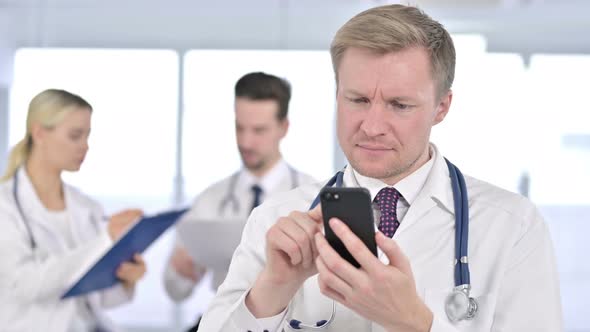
[(438, 183), (436, 192), (34, 208), (33, 211), (28, 198)]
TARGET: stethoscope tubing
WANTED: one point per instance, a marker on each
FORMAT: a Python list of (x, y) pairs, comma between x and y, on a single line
[(32, 241)]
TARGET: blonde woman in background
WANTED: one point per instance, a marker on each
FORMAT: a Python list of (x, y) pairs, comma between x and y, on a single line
[(49, 229)]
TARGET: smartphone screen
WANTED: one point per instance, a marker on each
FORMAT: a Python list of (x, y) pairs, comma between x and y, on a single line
[(353, 206)]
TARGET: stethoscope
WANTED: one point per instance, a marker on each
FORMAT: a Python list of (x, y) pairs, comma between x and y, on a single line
[(458, 305), (230, 196), (32, 241)]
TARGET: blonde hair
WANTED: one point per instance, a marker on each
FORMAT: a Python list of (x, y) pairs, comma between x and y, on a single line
[(48, 109), (393, 28)]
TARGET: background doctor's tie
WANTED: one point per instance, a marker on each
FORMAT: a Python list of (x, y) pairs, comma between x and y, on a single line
[(386, 200), (257, 195)]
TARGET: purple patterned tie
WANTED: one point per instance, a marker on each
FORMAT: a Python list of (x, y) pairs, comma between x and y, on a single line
[(387, 199)]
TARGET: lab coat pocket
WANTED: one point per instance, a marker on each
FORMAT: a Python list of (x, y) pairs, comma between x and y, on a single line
[(435, 300)]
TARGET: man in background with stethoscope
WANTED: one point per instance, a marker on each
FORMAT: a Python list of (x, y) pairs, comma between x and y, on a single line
[(394, 69), (261, 107)]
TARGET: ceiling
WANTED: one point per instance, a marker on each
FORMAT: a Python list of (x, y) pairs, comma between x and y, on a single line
[(523, 26)]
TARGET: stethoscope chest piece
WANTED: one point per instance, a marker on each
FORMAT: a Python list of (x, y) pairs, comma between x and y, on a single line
[(458, 304)]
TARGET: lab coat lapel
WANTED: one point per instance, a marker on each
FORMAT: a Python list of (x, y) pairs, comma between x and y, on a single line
[(44, 233), (84, 223), (436, 192)]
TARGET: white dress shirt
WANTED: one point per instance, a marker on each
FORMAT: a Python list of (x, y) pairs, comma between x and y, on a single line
[(409, 187), (513, 273), (230, 200)]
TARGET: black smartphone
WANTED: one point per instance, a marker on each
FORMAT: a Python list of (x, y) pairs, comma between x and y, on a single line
[(353, 206)]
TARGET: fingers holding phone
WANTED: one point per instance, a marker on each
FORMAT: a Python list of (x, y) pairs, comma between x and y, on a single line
[(383, 293), (290, 260), (291, 247)]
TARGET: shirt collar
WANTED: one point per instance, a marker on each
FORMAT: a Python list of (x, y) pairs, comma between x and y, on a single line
[(409, 187), (269, 181), (429, 185)]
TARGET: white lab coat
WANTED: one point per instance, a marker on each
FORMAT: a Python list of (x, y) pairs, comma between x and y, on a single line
[(213, 204), (32, 281), (511, 260)]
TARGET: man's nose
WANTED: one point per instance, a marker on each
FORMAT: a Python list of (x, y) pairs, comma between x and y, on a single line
[(374, 123), (246, 139)]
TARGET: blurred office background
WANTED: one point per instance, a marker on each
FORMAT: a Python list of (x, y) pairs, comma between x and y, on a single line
[(160, 76)]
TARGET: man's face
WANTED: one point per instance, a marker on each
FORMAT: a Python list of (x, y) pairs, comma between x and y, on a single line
[(387, 105), (258, 132)]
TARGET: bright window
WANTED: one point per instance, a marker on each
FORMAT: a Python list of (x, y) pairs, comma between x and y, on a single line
[(486, 116), (558, 104), (560, 164), (134, 95)]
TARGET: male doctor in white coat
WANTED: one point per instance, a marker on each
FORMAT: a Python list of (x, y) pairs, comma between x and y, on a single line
[(394, 68), (261, 108)]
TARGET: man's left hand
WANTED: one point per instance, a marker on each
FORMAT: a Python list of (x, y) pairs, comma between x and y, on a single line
[(384, 294)]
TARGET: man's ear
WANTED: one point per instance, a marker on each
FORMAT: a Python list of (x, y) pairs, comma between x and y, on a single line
[(442, 109), (284, 124)]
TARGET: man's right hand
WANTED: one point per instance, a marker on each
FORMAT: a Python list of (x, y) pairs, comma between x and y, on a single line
[(184, 265), (290, 260)]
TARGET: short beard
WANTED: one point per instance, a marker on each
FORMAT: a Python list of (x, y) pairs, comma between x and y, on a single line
[(256, 166), (391, 173)]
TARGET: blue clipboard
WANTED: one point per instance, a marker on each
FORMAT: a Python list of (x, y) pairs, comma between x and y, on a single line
[(102, 274)]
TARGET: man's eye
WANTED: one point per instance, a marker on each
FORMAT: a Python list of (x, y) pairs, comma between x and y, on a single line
[(76, 135), (400, 106), (359, 100), (259, 130)]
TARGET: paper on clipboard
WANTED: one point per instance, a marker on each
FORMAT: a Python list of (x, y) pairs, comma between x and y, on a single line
[(211, 242)]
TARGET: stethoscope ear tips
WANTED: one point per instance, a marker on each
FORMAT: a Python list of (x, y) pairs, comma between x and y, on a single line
[(459, 306), (296, 325)]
